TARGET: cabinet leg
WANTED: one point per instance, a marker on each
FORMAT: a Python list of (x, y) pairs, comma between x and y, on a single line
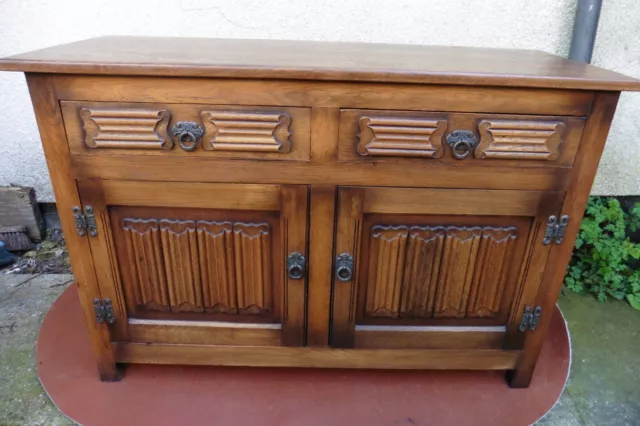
[(519, 378), (114, 372)]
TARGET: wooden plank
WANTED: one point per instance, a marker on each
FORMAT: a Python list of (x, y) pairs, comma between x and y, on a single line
[(321, 233), (457, 201), (408, 359), (575, 202), (203, 333), (195, 195), (324, 134), (289, 172), (49, 119), (312, 60), (294, 240), (325, 94), (398, 337), (18, 207), (347, 241)]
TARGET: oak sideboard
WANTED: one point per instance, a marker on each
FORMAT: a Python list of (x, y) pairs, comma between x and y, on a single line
[(309, 204)]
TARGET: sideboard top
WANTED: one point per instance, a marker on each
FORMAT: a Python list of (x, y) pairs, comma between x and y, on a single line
[(310, 60)]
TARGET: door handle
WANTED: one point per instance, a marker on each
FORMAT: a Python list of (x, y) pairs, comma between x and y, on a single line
[(344, 268)]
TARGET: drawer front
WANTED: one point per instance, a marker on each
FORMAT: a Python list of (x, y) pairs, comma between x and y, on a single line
[(380, 135), (222, 131)]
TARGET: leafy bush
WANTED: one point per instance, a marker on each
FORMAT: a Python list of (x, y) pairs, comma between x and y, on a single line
[(604, 256)]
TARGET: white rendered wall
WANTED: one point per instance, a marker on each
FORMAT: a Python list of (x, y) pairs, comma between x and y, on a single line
[(541, 24)]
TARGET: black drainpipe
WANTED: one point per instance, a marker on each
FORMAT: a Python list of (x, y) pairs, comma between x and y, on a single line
[(584, 30)]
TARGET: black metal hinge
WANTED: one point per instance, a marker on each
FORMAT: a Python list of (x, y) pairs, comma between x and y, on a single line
[(104, 311), (554, 233), (530, 318), (85, 222)]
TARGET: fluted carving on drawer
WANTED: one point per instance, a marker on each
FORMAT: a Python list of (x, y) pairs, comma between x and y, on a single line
[(180, 250), (519, 139), (215, 247), (398, 136), (252, 251), (196, 266), (437, 271), (126, 128), (246, 131), (149, 289)]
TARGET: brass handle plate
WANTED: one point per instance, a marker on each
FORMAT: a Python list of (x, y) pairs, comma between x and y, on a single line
[(296, 266), (344, 268), (462, 142), (187, 134)]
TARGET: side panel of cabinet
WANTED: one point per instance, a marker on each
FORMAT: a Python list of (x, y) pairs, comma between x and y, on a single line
[(200, 264), (438, 268)]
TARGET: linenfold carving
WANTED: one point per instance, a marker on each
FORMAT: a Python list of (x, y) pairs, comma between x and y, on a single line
[(198, 266), (437, 271)]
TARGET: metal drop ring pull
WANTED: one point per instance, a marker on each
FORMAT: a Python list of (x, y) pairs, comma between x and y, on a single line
[(295, 266), (187, 134), (462, 142), (344, 268)]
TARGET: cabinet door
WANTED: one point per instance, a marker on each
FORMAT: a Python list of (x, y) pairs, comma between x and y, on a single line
[(201, 263), (431, 268)]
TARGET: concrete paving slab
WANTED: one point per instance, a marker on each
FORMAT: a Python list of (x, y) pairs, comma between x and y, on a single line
[(10, 282), (22, 310), (605, 376)]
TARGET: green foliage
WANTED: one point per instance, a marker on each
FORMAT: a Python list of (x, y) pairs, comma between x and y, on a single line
[(603, 258)]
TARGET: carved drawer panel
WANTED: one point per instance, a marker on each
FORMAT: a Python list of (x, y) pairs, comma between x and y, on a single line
[(458, 138), (215, 131)]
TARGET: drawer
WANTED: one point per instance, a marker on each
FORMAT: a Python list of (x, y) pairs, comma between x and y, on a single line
[(223, 131), (381, 135)]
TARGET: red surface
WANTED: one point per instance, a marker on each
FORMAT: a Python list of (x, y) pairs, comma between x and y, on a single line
[(184, 395)]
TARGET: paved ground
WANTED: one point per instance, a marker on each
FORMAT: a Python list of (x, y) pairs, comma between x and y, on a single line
[(604, 388)]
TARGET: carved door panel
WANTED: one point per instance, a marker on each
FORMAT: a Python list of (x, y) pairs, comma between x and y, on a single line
[(201, 263), (430, 268)]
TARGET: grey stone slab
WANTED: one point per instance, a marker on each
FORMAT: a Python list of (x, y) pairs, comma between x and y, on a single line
[(22, 310), (11, 282)]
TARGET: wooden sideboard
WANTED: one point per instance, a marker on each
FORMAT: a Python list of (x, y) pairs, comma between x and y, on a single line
[(306, 204)]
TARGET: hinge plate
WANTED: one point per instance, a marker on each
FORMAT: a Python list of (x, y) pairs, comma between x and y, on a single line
[(530, 318), (85, 222), (554, 232), (90, 220), (81, 225), (104, 311)]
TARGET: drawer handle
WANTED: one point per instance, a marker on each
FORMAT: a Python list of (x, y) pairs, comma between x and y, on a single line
[(462, 142), (344, 267), (187, 133), (295, 266)]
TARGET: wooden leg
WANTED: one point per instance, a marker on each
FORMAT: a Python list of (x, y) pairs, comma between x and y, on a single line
[(520, 378), (113, 372)]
